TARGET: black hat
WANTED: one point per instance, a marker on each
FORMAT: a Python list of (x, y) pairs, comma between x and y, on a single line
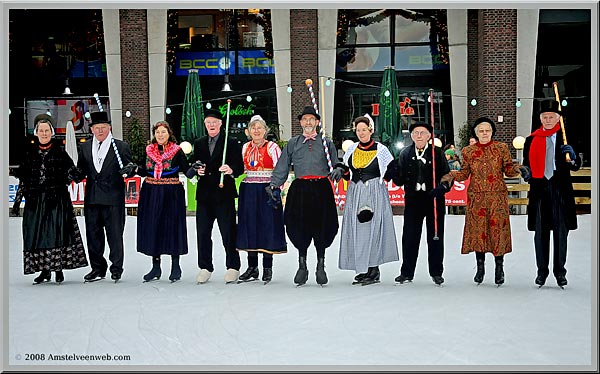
[(213, 113), (309, 110), (481, 120), (414, 125), (549, 106), (99, 117), (43, 118)]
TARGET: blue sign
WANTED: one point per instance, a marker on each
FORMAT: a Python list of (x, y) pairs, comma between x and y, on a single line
[(255, 62), (207, 63), (215, 63)]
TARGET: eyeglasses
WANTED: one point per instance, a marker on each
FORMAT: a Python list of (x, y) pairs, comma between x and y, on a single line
[(308, 120), (420, 133)]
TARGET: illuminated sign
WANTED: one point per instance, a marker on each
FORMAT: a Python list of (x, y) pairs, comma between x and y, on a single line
[(238, 110), (405, 108), (217, 63), (207, 63)]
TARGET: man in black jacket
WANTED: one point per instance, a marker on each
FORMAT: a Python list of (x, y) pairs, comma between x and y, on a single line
[(101, 163), (415, 172), (551, 198), (215, 202)]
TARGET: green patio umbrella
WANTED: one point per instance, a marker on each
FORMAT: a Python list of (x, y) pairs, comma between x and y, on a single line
[(193, 113), (389, 127)]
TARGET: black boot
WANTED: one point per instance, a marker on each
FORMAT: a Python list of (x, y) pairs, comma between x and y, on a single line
[(359, 277), (175, 269), (302, 273), (480, 270), (155, 272), (44, 276), (267, 275), (371, 277), (59, 277), (250, 274), (321, 275), (499, 270)]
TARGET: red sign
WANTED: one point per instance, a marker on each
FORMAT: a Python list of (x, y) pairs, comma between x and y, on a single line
[(132, 191), (457, 196)]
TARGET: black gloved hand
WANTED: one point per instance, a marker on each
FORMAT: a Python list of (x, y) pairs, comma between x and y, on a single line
[(74, 174), (525, 172), (193, 170), (336, 174), (274, 197), (565, 148), (16, 209), (128, 170), (440, 190)]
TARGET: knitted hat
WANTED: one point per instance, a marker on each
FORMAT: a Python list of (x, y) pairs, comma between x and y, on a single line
[(450, 152)]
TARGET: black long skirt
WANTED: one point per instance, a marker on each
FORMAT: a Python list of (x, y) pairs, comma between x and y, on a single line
[(51, 237), (161, 222), (260, 227)]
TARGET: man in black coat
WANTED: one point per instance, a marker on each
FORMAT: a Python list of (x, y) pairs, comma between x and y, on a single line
[(101, 161), (415, 172), (215, 202), (551, 199)]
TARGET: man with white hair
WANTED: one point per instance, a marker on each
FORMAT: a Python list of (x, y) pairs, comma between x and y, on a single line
[(101, 162), (551, 198)]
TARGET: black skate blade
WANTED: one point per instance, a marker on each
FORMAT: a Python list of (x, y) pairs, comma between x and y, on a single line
[(370, 282), (92, 280), (150, 280), (266, 282), (245, 281)]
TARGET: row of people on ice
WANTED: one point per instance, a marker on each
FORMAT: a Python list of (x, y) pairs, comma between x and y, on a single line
[(52, 241)]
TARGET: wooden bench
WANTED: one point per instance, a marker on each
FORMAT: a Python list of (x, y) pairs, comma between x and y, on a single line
[(577, 186)]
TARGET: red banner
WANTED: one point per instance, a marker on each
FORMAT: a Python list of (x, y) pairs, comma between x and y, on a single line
[(132, 190), (457, 196)]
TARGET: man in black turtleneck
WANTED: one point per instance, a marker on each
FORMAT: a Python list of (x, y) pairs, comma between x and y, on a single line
[(415, 173)]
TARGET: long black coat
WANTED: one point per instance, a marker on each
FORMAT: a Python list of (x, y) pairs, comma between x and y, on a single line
[(108, 186), (48, 213), (208, 185), (562, 177), (406, 171)]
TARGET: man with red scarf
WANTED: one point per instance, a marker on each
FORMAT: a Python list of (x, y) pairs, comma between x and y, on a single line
[(551, 200)]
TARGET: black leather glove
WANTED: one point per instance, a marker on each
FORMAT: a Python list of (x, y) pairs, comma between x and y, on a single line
[(74, 174), (338, 172), (128, 170), (525, 172), (440, 190), (565, 148), (193, 170), (274, 197)]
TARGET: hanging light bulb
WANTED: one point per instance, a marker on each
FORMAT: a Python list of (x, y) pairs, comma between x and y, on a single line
[(328, 82), (473, 102), (289, 89), (248, 98), (386, 93), (518, 103), (87, 115), (208, 105), (563, 103), (127, 114), (168, 110), (49, 113)]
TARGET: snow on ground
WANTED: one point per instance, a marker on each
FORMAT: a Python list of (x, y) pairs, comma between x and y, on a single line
[(185, 326)]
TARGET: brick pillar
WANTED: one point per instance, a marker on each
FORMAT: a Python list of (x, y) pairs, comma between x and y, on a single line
[(304, 41), (497, 69), (134, 68)]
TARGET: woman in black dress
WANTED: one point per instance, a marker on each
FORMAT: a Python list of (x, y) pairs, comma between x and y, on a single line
[(51, 237), (161, 226)]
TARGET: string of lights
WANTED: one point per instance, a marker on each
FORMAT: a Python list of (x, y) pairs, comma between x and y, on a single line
[(329, 80)]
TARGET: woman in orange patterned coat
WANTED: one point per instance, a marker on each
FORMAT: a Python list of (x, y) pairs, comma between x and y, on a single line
[(487, 218)]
